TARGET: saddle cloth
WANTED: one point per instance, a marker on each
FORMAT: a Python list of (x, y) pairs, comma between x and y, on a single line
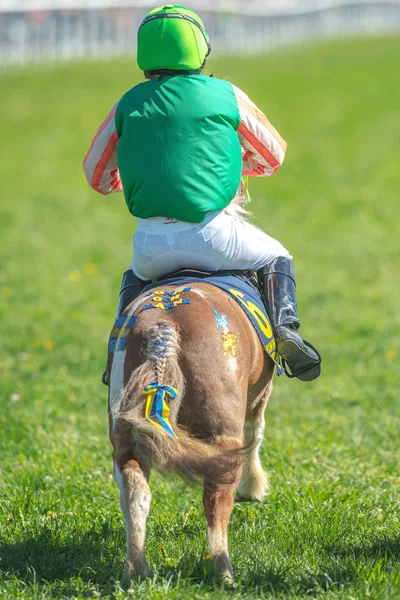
[(245, 294)]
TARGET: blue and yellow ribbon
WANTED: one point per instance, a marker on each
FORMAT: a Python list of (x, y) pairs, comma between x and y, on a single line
[(157, 410)]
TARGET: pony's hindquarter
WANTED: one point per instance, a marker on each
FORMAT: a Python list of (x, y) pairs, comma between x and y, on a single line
[(182, 355), (167, 446)]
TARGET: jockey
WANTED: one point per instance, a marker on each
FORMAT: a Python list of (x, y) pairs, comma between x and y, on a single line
[(177, 145)]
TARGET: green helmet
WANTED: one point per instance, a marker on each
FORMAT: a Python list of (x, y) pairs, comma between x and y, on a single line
[(172, 38)]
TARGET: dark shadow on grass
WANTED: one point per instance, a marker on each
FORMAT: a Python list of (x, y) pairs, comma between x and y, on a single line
[(97, 557), (333, 576), (342, 570), (200, 574), (92, 555), (388, 548)]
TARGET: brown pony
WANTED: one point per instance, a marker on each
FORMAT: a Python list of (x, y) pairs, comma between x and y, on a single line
[(217, 415)]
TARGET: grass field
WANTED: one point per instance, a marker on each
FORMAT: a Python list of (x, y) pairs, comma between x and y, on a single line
[(330, 527)]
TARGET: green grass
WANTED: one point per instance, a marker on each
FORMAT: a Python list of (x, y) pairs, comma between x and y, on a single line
[(330, 528)]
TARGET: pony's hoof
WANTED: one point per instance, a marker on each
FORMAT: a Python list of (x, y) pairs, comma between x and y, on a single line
[(137, 571), (227, 578), (223, 568)]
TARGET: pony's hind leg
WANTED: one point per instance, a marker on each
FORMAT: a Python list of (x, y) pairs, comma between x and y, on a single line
[(135, 497), (253, 486), (218, 506)]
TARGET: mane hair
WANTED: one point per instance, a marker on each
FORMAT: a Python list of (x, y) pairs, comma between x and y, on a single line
[(236, 208)]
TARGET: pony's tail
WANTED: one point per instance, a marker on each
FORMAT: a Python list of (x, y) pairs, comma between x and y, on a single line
[(150, 402)]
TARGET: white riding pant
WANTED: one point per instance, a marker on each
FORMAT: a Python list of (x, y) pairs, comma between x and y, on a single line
[(220, 242)]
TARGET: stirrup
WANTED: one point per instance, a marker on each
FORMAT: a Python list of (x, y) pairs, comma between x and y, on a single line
[(313, 371)]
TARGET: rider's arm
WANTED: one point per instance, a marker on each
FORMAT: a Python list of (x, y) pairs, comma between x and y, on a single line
[(263, 148), (101, 160)]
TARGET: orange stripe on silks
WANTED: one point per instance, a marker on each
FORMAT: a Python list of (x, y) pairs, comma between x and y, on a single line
[(116, 183), (259, 147), (247, 155), (258, 170), (102, 126), (261, 118), (103, 162)]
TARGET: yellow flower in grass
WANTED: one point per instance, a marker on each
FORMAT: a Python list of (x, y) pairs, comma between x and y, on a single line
[(6, 292), (91, 270), (390, 354), (75, 276), (48, 345)]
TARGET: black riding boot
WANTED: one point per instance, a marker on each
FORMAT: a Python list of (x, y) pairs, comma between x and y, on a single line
[(131, 288), (278, 289)]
